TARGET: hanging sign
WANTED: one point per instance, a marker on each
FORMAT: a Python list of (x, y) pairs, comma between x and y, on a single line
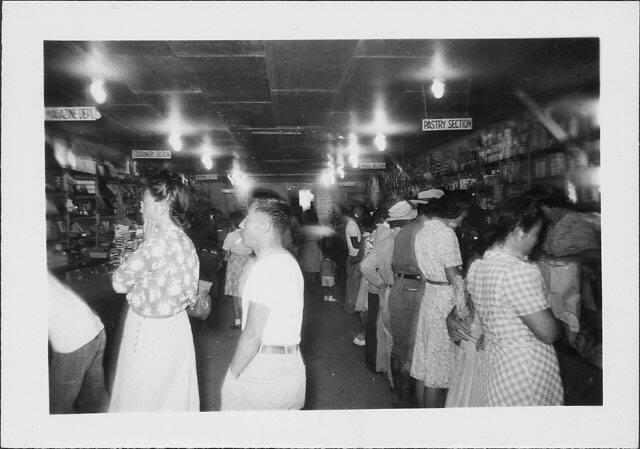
[(69, 114), (151, 154), (372, 165), (446, 124), (207, 177)]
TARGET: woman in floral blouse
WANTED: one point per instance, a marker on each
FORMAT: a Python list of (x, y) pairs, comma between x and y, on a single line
[(156, 368)]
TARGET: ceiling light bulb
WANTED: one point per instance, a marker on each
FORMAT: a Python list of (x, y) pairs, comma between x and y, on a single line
[(97, 91), (437, 88), (207, 161), (175, 141), (381, 142)]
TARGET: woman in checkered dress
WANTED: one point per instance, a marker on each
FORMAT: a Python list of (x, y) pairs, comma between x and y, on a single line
[(519, 366)]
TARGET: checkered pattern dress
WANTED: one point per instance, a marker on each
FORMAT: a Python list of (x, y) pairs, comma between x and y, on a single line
[(516, 369)]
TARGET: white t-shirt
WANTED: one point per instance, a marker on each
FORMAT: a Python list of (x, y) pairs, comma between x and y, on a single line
[(233, 242), (352, 230), (72, 323), (275, 281)]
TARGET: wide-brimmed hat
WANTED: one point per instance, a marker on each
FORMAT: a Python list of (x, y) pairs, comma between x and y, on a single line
[(426, 195), (402, 210)]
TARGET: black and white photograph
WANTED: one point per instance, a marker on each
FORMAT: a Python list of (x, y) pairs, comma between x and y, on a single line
[(293, 226)]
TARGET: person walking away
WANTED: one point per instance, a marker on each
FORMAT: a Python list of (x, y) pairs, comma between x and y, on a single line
[(519, 366), (77, 339), (376, 268), (310, 253), (327, 272), (237, 254), (156, 365), (267, 371), (404, 298), (362, 300), (352, 237), (438, 254)]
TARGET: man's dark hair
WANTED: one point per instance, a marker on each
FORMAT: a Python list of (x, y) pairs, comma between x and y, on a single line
[(274, 206)]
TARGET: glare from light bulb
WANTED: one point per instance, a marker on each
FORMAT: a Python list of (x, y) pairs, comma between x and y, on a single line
[(207, 161), (437, 88), (353, 160), (175, 141), (381, 142), (97, 91)]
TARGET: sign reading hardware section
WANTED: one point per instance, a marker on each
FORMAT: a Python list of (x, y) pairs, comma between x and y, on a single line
[(446, 124), (77, 113), (151, 154)]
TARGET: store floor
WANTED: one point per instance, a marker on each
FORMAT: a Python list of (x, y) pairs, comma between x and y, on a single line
[(337, 377)]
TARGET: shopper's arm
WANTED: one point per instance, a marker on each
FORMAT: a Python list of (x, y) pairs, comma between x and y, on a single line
[(250, 339), (369, 266), (543, 325), (138, 263), (455, 326)]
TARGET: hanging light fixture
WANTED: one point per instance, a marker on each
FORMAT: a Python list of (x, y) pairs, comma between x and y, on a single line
[(175, 140), (381, 141), (97, 91), (353, 150), (437, 88), (207, 161)]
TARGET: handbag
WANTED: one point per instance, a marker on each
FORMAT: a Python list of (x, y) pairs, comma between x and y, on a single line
[(201, 307)]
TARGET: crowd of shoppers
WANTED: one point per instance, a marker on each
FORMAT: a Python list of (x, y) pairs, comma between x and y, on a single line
[(480, 332), (442, 330)]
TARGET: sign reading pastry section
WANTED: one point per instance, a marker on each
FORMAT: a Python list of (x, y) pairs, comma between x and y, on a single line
[(446, 124), (72, 114), (151, 154)]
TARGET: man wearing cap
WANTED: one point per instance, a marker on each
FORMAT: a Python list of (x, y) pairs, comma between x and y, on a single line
[(406, 294)]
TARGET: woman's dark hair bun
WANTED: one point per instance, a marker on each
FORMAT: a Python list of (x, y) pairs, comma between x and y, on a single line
[(168, 186), (518, 212)]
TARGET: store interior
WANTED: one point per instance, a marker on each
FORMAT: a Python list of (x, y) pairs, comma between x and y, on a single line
[(324, 122)]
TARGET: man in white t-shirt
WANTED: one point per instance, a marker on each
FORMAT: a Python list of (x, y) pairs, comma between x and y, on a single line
[(77, 339), (267, 371)]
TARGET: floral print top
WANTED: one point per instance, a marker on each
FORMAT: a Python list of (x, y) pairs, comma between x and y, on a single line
[(161, 277)]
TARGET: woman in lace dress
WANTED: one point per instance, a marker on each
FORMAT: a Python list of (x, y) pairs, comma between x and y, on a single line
[(438, 255)]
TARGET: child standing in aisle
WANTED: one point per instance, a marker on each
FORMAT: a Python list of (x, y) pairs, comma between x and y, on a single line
[(327, 272)]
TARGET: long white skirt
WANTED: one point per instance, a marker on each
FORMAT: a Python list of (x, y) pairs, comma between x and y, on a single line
[(467, 360), (156, 368)]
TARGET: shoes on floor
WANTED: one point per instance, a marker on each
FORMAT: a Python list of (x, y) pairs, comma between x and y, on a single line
[(235, 326), (331, 299), (359, 341)]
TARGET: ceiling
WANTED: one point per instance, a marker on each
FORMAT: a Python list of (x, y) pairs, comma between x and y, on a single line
[(278, 107)]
